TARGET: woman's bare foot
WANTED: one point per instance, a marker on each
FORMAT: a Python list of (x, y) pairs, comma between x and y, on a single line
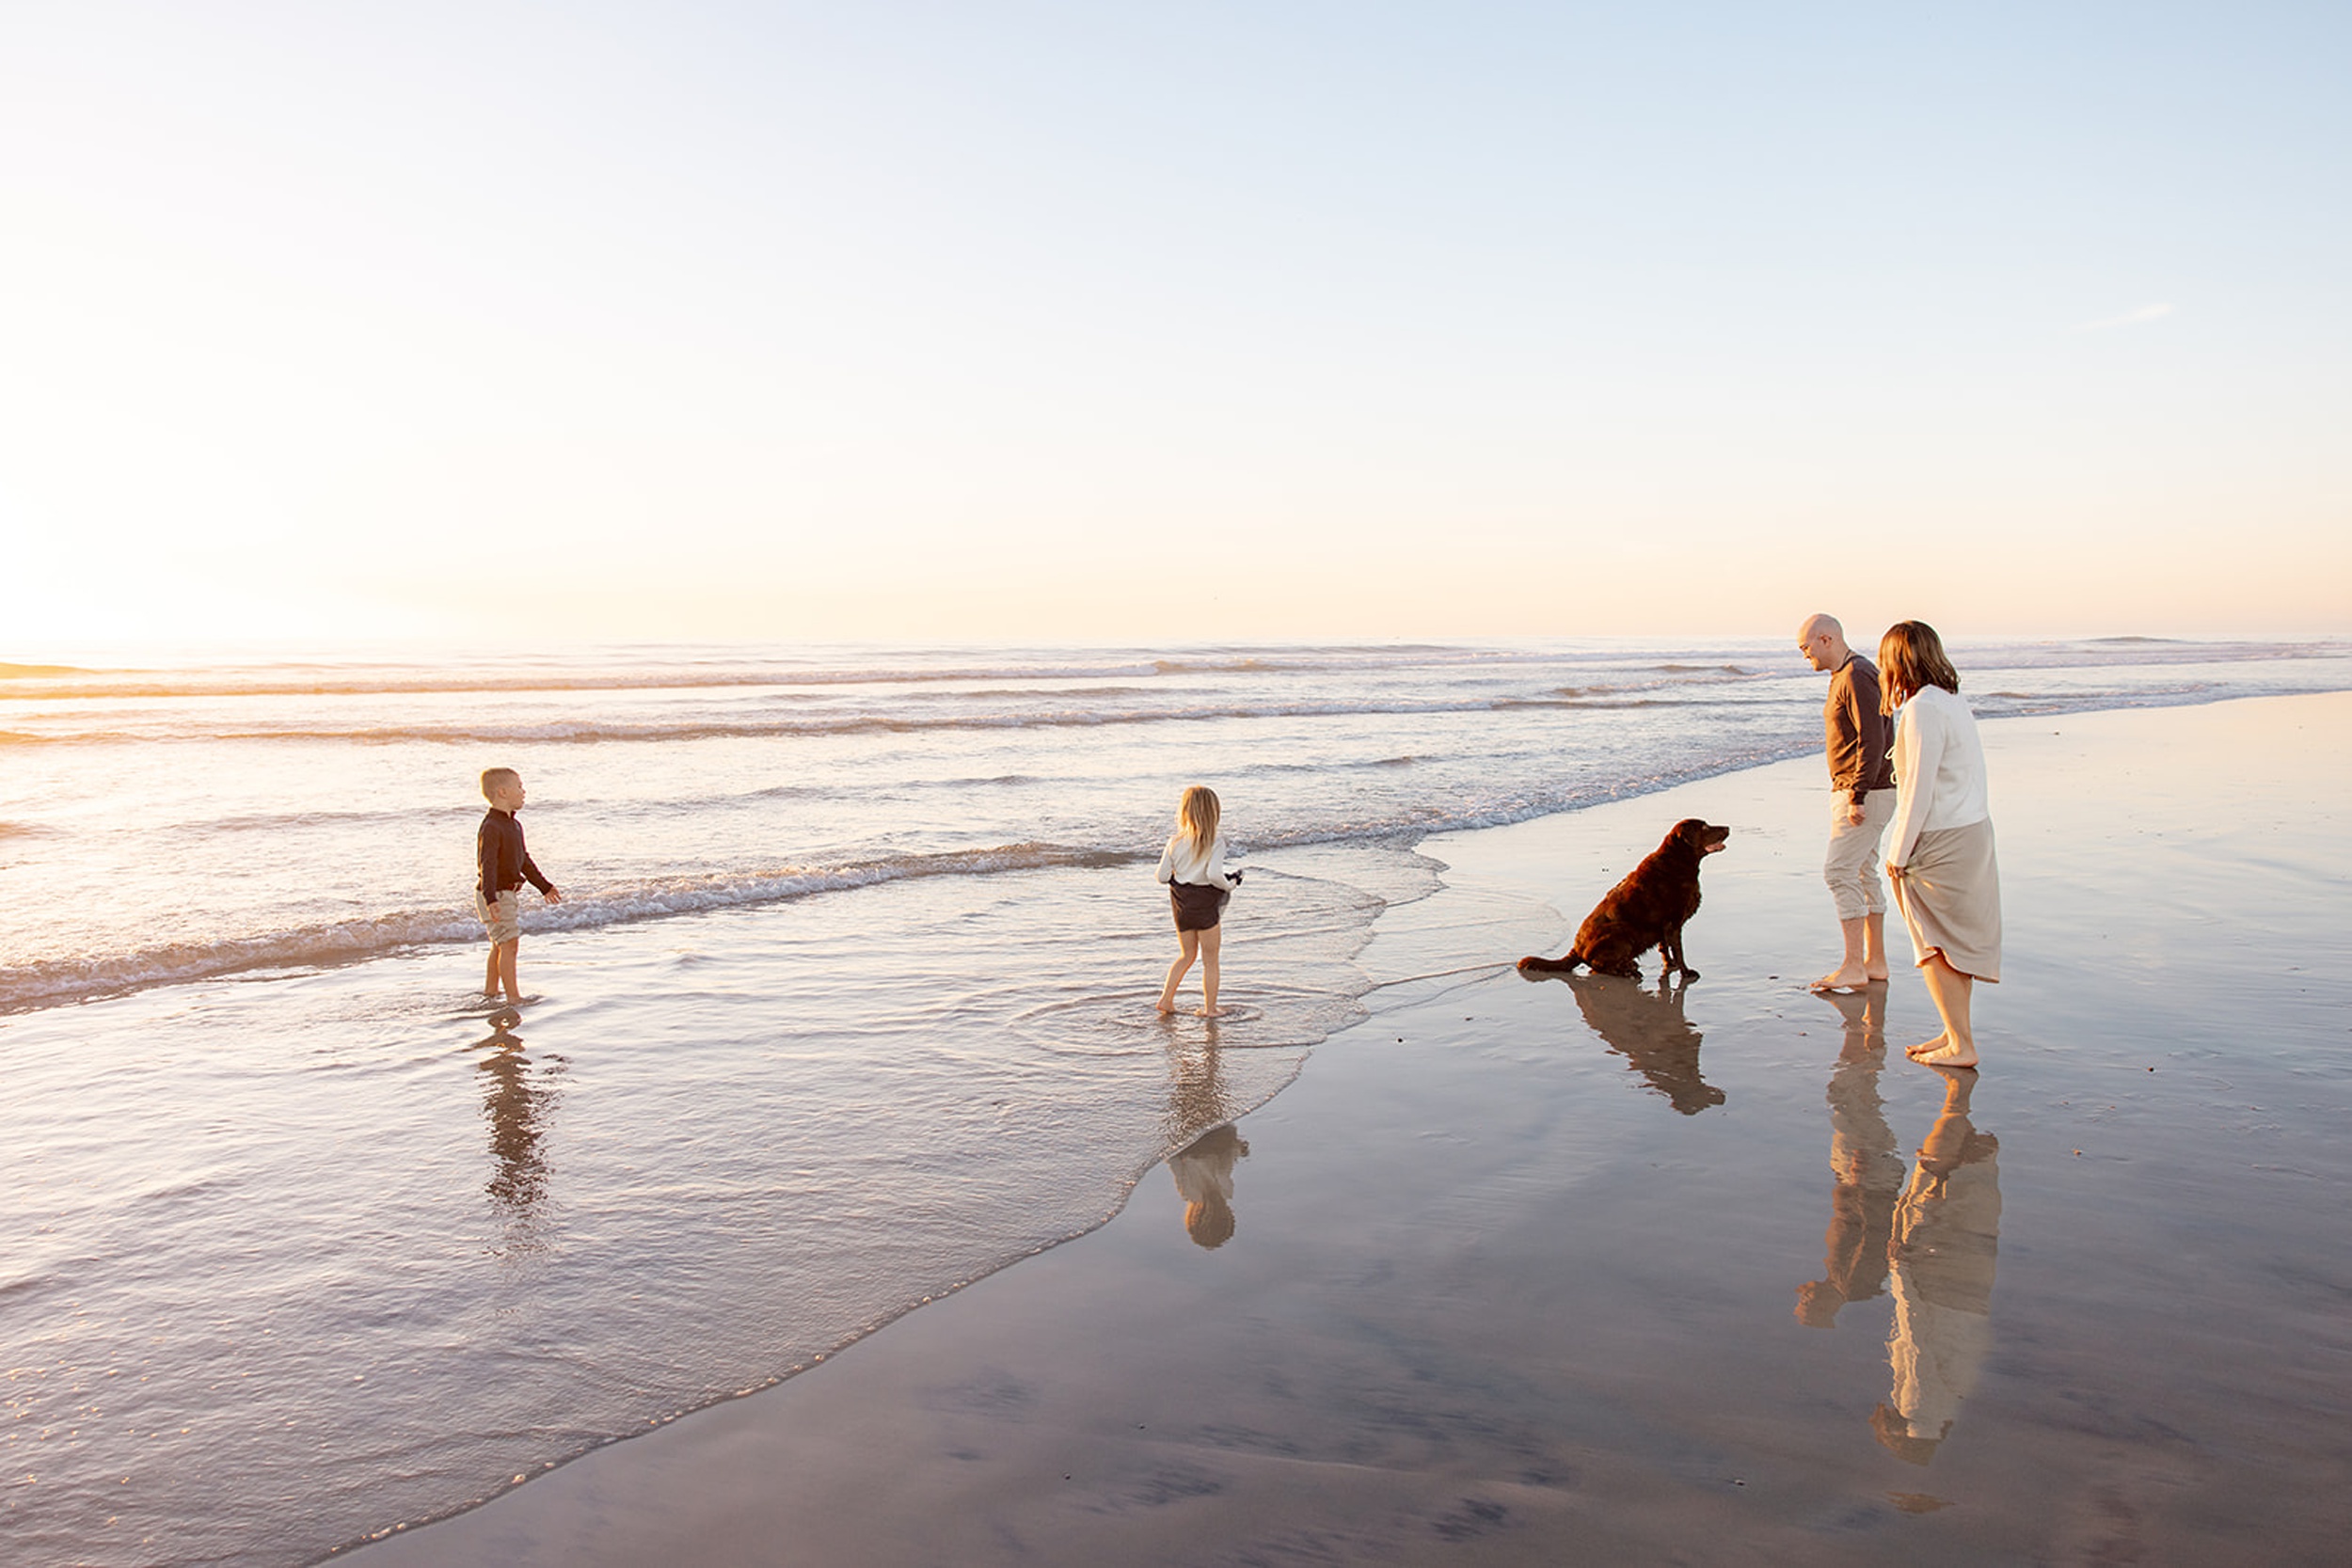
[(1918, 1051), (1951, 1055)]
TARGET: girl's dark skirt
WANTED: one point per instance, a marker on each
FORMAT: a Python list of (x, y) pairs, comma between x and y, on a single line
[(1197, 907)]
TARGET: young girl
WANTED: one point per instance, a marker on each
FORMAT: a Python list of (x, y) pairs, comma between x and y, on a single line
[(1193, 867)]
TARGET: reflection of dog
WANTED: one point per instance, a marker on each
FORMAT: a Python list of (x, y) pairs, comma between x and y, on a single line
[(1648, 909), (1649, 1030)]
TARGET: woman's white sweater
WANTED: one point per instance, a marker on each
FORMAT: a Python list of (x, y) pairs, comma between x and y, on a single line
[(1939, 770)]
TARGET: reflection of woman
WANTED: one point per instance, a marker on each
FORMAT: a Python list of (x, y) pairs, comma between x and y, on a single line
[(1204, 1180), (1946, 1230), (1941, 857)]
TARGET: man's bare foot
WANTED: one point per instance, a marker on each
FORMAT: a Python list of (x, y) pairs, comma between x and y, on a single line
[(1919, 1052), (1954, 1055), (1845, 979)]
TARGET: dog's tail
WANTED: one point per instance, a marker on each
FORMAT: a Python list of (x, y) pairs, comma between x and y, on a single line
[(1532, 965)]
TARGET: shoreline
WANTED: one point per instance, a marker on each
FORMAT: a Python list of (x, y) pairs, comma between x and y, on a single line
[(1459, 1413)]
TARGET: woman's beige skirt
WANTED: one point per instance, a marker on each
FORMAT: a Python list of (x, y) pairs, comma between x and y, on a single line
[(1951, 895)]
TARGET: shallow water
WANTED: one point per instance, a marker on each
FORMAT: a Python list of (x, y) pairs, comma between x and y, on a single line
[(848, 1007)]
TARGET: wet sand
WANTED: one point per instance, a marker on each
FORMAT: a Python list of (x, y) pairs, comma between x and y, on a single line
[(1537, 1271)]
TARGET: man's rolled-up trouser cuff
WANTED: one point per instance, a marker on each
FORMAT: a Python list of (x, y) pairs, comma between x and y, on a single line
[(1851, 867)]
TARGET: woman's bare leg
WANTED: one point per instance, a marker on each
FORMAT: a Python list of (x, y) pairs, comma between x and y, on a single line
[(1212, 943), (1952, 991), (1188, 944)]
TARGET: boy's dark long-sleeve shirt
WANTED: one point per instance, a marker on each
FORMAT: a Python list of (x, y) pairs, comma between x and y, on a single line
[(505, 864)]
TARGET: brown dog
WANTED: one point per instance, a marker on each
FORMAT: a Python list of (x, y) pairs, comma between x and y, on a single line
[(1648, 909)]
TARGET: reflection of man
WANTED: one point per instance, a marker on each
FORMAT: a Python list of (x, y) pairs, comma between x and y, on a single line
[(1862, 1157), (1204, 1180), (1862, 777), (1947, 1231)]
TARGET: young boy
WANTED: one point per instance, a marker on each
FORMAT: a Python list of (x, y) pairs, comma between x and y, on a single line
[(505, 866)]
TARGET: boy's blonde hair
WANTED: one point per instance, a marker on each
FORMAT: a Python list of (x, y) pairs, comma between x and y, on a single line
[(496, 779), (1911, 656), (1200, 812)]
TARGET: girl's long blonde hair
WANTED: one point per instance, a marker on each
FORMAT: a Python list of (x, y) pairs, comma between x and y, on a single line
[(1198, 814)]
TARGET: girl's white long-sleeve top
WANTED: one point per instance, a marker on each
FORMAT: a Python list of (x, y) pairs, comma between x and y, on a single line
[(1184, 862), (1939, 770)]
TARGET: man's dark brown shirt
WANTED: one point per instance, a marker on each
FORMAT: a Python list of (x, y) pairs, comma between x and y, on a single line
[(1859, 735)]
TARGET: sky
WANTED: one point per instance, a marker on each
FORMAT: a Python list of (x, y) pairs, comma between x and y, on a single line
[(1109, 322)]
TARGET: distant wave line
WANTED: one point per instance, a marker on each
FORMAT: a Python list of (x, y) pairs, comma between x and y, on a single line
[(247, 682), (559, 732)]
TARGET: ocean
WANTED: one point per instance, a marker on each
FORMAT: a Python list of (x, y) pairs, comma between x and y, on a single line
[(847, 1005)]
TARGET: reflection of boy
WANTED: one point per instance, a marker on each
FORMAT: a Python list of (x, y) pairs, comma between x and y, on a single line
[(505, 864), (1203, 1172)]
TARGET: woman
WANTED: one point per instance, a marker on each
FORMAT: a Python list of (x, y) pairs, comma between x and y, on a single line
[(1941, 861)]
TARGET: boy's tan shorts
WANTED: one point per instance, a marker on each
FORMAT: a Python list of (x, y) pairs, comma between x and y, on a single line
[(505, 918)]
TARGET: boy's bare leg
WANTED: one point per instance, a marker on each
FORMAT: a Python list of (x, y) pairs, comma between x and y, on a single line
[(1952, 991), (1188, 944), (1212, 943), (490, 974), (507, 968)]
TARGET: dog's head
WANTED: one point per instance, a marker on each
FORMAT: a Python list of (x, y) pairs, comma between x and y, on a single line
[(1701, 838)]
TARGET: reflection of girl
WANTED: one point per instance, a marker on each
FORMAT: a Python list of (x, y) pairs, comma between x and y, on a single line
[(1941, 858), (1193, 867), (1204, 1180)]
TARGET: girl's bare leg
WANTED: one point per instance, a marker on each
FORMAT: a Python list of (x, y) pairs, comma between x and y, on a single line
[(1211, 942), (1952, 991), (1188, 944)]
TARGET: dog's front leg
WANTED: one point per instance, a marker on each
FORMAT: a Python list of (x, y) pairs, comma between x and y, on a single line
[(1671, 951)]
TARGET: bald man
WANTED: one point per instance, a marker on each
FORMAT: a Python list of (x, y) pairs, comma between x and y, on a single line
[(1862, 775)]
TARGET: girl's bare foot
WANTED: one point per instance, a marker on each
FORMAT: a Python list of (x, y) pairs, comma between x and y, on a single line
[(1213, 1012), (1919, 1053), (1162, 1005), (1954, 1055)]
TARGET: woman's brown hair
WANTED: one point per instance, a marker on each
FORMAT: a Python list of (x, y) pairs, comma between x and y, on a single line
[(1911, 656)]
